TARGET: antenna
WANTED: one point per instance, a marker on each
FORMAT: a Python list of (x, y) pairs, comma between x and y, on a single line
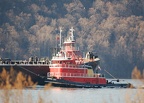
[(60, 37)]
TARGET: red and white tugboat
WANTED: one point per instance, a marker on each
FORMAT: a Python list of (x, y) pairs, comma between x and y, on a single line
[(69, 69)]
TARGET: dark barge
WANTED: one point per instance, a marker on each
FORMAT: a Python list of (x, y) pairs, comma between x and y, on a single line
[(34, 68)]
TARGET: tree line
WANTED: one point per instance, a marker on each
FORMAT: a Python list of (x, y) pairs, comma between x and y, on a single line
[(112, 28)]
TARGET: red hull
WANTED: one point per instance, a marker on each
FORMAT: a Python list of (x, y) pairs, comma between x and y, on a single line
[(87, 80), (79, 75)]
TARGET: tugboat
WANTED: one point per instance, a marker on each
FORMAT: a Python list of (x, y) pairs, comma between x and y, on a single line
[(69, 69)]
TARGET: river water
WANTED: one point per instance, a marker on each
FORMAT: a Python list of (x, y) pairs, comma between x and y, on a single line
[(75, 95)]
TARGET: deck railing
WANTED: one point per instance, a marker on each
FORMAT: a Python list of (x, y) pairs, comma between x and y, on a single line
[(68, 66), (24, 63), (57, 74)]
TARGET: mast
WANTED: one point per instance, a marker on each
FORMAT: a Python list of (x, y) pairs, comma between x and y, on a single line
[(72, 34), (60, 37)]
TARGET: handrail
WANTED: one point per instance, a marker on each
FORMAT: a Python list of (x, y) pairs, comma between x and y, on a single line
[(57, 74), (68, 65), (22, 63)]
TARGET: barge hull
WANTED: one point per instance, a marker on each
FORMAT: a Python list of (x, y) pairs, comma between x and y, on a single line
[(36, 72)]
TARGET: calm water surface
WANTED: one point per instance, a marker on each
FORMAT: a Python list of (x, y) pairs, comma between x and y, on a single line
[(77, 95)]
